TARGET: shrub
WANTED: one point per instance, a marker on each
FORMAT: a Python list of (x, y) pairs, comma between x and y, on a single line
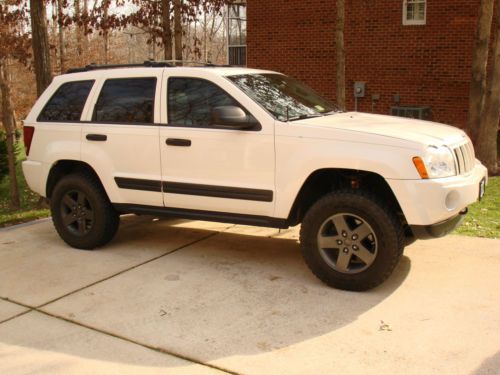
[(4, 160)]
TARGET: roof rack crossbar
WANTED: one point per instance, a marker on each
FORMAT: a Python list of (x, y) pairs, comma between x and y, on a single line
[(188, 62)]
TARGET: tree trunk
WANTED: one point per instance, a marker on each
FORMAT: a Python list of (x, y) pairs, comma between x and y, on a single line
[(479, 64), (85, 39), (78, 13), (106, 47), (154, 48), (486, 144), (167, 29), (9, 124), (40, 43), (340, 54), (177, 29), (105, 33), (205, 49), (62, 56)]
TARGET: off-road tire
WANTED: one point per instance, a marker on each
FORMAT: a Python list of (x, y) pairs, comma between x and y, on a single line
[(387, 230), (105, 220)]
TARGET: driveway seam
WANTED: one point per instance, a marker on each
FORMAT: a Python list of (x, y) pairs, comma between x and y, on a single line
[(27, 224), (101, 280), (15, 303), (156, 349), (126, 270), (159, 350), (114, 335)]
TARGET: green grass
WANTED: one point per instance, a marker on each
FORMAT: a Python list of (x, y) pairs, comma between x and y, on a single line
[(30, 207), (483, 219)]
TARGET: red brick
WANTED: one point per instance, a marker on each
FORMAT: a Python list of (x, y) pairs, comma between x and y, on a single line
[(427, 65)]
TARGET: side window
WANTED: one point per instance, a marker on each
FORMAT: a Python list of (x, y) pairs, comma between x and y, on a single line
[(126, 101), (67, 103), (190, 101)]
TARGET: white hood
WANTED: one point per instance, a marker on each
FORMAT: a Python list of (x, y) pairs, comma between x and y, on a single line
[(425, 132)]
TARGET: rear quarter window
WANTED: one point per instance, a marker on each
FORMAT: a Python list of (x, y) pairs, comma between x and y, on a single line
[(66, 105)]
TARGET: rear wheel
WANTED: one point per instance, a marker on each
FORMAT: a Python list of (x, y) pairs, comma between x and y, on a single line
[(82, 213), (351, 241)]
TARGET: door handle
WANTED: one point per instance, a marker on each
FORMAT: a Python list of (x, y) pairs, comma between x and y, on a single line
[(97, 137), (178, 142)]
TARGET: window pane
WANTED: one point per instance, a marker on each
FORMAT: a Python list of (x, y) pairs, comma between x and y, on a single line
[(190, 101), (420, 12), (237, 11), (67, 103), (415, 10), (409, 12), (126, 101), (237, 32)]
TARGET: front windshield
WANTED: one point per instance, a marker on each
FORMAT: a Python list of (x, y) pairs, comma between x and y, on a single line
[(286, 98)]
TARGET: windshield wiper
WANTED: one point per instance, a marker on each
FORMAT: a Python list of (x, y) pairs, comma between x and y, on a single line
[(332, 112), (302, 117)]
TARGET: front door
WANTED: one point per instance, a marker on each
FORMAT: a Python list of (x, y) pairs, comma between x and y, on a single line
[(209, 168)]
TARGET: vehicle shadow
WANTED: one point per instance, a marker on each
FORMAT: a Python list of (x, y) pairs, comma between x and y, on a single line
[(243, 291), (490, 365)]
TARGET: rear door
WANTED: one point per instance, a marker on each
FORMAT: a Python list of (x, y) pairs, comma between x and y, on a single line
[(120, 136)]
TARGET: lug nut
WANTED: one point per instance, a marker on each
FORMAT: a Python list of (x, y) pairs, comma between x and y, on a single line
[(344, 234), (346, 250), (354, 237), (339, 242), (355, 248)]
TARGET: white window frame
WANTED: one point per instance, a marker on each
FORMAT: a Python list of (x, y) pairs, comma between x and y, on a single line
[(406, 21)]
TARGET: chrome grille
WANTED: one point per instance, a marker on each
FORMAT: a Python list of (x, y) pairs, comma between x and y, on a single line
[(464, 157)]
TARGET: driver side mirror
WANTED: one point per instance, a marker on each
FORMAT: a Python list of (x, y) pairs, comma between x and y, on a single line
[(232, 117)]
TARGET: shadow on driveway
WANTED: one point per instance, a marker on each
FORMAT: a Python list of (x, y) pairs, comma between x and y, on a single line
[(230, 294)]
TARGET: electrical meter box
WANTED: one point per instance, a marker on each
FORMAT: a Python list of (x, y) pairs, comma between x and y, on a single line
[(359, 89)]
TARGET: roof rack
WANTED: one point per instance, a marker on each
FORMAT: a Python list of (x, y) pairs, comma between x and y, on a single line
[(188, 62), (191, 62), (145, 64)]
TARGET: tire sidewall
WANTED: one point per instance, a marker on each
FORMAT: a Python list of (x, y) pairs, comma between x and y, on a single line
[(95, 199), (383, 225)]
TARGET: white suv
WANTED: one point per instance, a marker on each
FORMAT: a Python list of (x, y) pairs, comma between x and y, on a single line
[(249, 147)]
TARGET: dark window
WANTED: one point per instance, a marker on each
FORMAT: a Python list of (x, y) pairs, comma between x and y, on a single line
[(237, 55), (191, 100), (126, 101), (67, 103)]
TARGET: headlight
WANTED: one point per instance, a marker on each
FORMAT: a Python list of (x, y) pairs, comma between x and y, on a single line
[(437, 162)]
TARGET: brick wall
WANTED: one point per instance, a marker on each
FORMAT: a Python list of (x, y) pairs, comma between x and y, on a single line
[(426, 65)]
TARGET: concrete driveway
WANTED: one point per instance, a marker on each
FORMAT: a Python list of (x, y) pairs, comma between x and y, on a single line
[(190, 297)]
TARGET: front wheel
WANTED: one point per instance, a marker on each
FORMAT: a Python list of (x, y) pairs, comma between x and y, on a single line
[(351, 241), (82, 213)]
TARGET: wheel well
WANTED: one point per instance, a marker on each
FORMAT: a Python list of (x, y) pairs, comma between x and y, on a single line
[(325, 181), (63, 168)]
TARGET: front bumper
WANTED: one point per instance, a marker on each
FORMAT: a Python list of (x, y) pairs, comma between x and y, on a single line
[(434, 201), (425, 232)]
